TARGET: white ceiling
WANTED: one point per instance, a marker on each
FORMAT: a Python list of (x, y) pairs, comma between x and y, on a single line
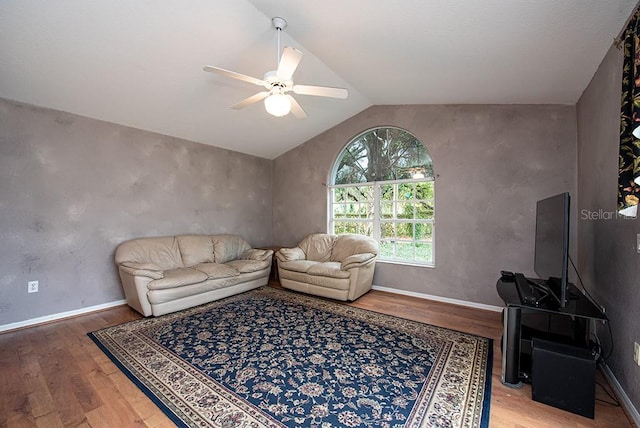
[(139, 62)]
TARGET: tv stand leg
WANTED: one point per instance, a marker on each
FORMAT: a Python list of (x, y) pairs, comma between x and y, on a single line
[(511, 347)]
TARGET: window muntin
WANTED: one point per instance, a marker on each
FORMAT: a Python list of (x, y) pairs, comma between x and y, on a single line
[(397, 210)]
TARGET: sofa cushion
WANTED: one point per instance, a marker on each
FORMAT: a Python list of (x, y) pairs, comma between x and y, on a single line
[(228, 247), (216, 270), (246, 266), (176, 278), (162, 251), (195, 249), (318, 246), (297, 265), (330, 269), (348, 245)]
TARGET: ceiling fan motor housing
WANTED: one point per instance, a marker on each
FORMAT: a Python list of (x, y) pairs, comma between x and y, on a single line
[(279, 23)]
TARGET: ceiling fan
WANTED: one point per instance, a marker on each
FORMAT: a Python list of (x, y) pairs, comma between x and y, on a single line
[(278, 82)]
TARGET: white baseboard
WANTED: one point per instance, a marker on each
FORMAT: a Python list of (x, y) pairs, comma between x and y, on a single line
[(440, 299), (626, 402), (59, 316)]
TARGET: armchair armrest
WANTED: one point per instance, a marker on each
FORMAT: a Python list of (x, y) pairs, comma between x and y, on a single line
[(357, 260), (149, 270), (289, 254), (256, 254)]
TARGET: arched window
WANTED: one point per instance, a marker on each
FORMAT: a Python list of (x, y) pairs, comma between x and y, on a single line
[(382, 186)]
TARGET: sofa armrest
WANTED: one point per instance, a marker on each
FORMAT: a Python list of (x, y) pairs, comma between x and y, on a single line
[(256, 254), (290, 254), (149, 270), (357, 260)]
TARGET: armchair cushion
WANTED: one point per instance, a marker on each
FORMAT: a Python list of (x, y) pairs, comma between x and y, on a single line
[(298, 265), (348, 245), (318, 246), (289, 254), (356, 260), (330, 269)]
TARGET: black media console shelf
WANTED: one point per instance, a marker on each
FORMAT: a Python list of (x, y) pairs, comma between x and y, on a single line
[(523, 323)]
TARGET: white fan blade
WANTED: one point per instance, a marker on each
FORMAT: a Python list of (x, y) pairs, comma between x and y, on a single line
[(233, 75), (288, 62), (321, 91), (252, 99), (296, 109)]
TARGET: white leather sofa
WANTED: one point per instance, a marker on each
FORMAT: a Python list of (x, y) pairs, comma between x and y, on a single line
[(167, 274), (336, 266)]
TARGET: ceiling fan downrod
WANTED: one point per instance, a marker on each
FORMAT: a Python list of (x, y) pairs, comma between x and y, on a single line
[(279, 24)]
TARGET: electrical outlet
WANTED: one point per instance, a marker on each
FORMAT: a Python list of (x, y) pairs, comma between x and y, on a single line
[(636, 353), (32, 287)]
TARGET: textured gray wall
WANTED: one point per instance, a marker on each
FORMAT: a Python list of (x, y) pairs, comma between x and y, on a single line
[(73, 188), (608, 261), (492, 164)]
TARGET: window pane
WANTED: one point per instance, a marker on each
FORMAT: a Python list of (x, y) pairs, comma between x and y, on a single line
[(339, 194), (424, 190), (424, 231), (387, 230), (404, 210), (404, 230), (423, 252), (386, 192), (405, 250), (424, 210), (387, 249), (366, 210), (366, 229), (356, 194), (406, 191), (338, 211), (386, 210)]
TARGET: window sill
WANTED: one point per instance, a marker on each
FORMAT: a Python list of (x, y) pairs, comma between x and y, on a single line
[(406, 263)]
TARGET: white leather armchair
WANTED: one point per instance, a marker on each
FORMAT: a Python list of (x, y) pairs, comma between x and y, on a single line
[(340, 267)]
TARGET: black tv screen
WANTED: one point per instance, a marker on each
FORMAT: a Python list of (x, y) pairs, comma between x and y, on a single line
[(552, 244)]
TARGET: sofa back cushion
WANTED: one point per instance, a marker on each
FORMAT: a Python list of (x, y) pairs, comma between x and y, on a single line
[(348, 245), (317, 247), (228, 247), (195, 249), (162, 251)]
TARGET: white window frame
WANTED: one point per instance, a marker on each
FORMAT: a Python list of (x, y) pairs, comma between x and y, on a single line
[(376, 220)]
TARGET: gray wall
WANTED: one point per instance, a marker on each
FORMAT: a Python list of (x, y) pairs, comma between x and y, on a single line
[(73, 188), (492, 164), (608, 261)]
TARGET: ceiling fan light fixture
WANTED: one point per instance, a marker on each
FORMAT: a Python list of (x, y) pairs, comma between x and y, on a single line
[(277, 104)]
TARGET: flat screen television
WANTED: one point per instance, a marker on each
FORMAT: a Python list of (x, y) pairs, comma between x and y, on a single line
[(552, 245)]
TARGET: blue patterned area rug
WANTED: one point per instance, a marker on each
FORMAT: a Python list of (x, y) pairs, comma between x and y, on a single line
[(273, 358)]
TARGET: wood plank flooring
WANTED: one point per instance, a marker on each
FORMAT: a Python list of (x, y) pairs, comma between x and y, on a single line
[(53, 375)]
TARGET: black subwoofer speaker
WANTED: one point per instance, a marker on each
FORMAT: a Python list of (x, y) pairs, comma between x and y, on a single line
[(563, 376)]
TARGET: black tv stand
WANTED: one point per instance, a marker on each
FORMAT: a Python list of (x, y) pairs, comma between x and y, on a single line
[(543, 319)]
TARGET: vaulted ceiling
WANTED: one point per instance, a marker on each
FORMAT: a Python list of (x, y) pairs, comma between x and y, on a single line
[(139, 62)]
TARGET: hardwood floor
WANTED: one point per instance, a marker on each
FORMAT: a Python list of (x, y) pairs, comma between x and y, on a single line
[(53, 375)]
